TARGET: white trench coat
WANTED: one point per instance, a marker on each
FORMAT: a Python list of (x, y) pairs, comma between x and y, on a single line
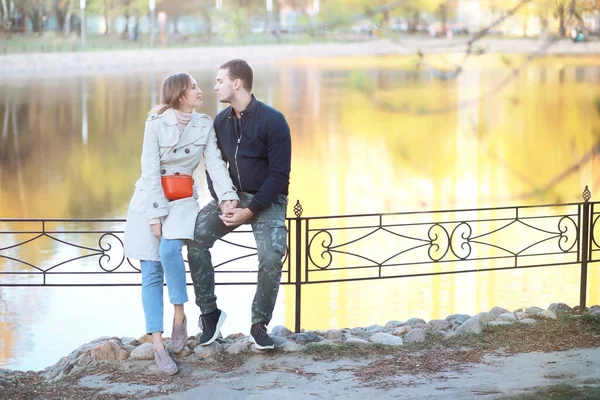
[(166, 151)]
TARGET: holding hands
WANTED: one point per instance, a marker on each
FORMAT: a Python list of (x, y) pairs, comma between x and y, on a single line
[(231, 215)]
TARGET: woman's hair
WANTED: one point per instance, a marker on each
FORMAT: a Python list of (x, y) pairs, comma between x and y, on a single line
[(173, 89)]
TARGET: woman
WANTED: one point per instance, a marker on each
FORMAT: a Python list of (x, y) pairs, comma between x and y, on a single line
[(158, 223)]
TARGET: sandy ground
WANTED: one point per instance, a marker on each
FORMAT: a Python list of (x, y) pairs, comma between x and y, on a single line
[(118, 61), (300, 377)]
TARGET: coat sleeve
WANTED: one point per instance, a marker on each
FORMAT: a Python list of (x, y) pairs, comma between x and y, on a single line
[(156, 204), (217, 170), (279, 148)]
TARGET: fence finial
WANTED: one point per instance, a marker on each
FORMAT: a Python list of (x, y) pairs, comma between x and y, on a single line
[(587, 195), (298, 209)]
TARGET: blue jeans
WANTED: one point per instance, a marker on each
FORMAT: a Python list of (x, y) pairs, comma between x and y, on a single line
[(152, 282)]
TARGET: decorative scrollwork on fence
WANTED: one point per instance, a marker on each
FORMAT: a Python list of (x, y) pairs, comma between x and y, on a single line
[(107, 248), (459, 241), (567, 239), (440, 242), (325, 245)]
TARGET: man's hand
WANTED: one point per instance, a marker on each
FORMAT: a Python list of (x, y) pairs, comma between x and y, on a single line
[(236, 216), (156, 230), (228, 205)]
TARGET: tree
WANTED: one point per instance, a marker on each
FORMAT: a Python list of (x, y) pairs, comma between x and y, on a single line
[(34, 10)]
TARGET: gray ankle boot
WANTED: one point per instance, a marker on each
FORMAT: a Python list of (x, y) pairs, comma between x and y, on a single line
[(165, 363)]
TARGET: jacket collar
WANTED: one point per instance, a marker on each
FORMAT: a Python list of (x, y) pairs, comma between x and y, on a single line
[(249, 110), (171, 119)]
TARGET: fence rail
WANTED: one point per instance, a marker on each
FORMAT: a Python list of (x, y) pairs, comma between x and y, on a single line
[(331, 249)]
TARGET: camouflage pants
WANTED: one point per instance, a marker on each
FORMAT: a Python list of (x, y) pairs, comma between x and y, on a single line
[(270, 234)]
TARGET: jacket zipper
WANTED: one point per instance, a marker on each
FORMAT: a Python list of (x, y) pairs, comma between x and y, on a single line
[(239, 139)]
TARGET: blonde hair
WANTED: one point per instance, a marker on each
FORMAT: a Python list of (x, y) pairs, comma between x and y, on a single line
[(173, 90)]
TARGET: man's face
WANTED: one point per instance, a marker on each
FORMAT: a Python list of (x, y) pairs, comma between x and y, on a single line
[(224, 88)]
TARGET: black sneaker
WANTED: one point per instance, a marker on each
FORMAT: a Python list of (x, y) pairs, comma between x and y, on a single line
[(260, 337), (211, 324)]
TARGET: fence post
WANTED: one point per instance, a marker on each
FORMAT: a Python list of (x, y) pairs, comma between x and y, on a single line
[(298, 264), (585, 246)]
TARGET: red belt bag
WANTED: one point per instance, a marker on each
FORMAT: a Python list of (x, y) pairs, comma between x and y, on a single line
[(177, 186)]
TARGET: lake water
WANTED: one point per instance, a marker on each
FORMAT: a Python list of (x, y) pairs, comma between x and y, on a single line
[(370, 135)]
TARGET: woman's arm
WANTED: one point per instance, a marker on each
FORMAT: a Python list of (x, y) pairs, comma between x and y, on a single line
[(155, 204), (217, 169)]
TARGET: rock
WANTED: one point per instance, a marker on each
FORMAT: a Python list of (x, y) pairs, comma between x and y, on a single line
[(237, 348), (84, 360), (291, 347), (560, 308), (357, 341), (205, 352), (420, 325), (129, 341), (230, 338), (458, 319), (374, 329), (485, 316), (547, 314), (333, 334), (415, 335), (145, 339), (278, 340), (472, 325), (594, 312), (193, 343), (439, 324), (386, 338), (143, 352), (533, 311), (304, 338), (186, 352), (520, 315), (528, 321), (128, 348), (391, 325), (509, 317), (414, 321), (403, 330), (109, 351), (498, 323), (100, 339), (496, 311), (281, 331)]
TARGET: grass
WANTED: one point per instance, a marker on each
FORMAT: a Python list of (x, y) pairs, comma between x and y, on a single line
[(559, 392), (53, 42)]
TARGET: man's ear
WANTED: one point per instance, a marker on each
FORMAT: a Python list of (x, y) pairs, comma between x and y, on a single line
[(237, 84)]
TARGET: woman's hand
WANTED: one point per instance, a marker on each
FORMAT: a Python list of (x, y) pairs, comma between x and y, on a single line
[(156, 230)]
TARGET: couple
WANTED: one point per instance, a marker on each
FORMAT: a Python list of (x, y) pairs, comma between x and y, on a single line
[(247, 154)]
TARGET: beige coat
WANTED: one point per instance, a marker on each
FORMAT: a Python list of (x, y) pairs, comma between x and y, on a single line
[(167, 150)]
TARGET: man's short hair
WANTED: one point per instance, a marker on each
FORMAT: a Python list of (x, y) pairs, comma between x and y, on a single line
[(239, 69)]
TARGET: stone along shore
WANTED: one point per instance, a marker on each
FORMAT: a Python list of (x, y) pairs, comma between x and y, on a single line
[(394, 333)]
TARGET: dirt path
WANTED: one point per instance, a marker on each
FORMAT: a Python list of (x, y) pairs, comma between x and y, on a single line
[(300, 377)]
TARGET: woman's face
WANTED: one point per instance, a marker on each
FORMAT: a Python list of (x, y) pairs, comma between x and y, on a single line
[(192, 97)]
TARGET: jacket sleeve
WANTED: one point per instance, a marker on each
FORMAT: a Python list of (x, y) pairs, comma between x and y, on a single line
[(220, 184), (279, 150), (155, 200)]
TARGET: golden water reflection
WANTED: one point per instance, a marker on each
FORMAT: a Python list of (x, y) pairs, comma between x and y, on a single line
[(368, 137)]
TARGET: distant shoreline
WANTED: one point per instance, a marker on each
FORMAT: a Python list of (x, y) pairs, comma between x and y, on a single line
[(120, 61)]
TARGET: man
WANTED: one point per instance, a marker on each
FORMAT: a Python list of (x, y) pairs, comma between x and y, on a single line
[(255, 141)]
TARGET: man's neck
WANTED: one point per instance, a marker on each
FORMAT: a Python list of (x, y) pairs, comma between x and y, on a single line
[(241, 103)]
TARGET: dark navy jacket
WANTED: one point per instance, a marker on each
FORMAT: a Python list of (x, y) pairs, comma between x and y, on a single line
[(258, 149)]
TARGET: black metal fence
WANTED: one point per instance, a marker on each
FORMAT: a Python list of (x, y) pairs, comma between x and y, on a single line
[(89, 252)]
